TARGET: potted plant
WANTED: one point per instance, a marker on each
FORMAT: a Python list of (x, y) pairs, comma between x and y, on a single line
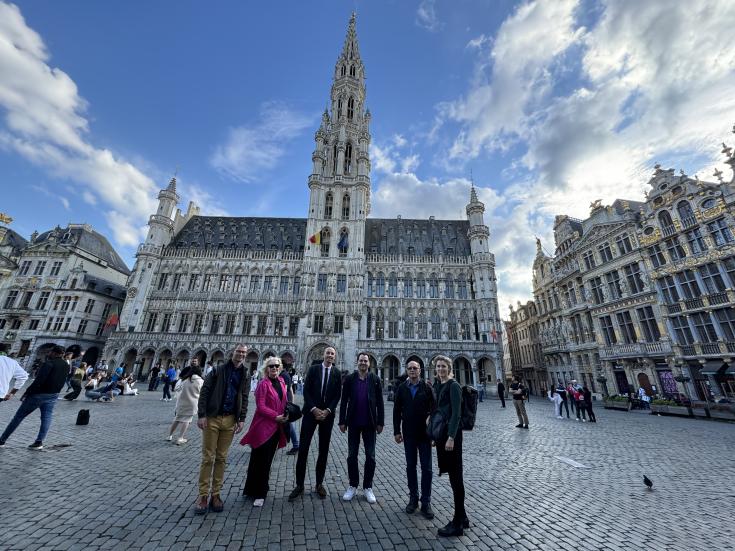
[(617, 402), (669, 407), (722, 411)]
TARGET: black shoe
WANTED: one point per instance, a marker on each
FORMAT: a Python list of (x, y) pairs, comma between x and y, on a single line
[(450, 530), (525, 426), (292, 451), (2, 443), (296, 492), (519, 426), (216, 505), (322, 491), (465, 522), (37, 445), (413, 504), (426, 511)]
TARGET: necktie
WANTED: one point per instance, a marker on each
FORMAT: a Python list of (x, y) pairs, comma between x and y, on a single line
[(324, 384)]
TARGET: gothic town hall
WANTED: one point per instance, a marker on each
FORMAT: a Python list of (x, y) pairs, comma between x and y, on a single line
[(399, 289)]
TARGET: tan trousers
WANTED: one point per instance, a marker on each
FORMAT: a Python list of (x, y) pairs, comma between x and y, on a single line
[(521, 411), (216, 440)]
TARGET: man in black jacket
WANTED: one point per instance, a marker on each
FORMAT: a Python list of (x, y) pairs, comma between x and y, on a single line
[(501, 393), (41, 394), (221, 411), (322, 389), (414, 402), (361, 410)]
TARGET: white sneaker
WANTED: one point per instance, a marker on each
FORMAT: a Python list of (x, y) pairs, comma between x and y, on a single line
[(350, 493), (559, 417), (258, 502), (181, 441), (584, 420), (170, 437), (369, 495), (577, 418)]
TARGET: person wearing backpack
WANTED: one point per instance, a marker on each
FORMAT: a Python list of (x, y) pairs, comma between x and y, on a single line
[(449, 448), (414, 402), (518, 391)]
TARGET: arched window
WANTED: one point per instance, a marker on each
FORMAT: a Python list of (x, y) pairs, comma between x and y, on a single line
[(449, 286), (343, 243), (346, 206), (686, 214), (369, 324), (379, 324), (461, 287), (328, 205), (352, 70), (343, 71), (664, 218), (464, 322), (348, 158), (392, 324), (452, 325), (380, 285), (334, 158), (350, 108), (408, 328), (436, 325), (422, 324), (407, 286), (433, 286), (370, 284), (324, 240), (339, 108), (420, 286), (392, 285)]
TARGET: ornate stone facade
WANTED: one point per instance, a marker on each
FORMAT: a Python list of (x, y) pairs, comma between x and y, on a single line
[(397, 289)]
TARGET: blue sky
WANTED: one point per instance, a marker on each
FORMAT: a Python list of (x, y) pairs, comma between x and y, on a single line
[(548, 104)]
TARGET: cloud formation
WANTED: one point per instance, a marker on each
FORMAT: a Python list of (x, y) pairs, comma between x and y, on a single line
[(44, 122), (426, 16), (249, 150)]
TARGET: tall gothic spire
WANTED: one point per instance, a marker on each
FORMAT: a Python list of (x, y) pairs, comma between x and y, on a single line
[(350, 50)]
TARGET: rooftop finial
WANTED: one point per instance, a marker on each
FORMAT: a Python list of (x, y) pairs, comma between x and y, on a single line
[(172, 182)]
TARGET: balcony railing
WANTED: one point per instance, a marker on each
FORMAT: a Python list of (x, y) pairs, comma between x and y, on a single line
[(710, 348), (668, 230), (692, 303), (688, 222), (718, 298), (638, 349)]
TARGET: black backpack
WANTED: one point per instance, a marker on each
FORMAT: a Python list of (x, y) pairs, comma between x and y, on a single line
[(470, 397), (83, 417)]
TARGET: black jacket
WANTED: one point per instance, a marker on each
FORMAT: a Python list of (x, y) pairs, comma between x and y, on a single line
[(214, 390), (376, 409), (413, 411), (313, 389), (50, 378)]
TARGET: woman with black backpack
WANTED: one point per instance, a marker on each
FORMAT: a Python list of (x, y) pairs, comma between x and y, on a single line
[(449, 447)]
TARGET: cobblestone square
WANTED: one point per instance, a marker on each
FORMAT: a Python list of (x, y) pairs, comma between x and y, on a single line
[(116, 484)]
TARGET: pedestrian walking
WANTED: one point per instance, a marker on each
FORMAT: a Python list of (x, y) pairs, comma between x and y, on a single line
[(556, 399), (587, 394), (449, 449), (414, 402), (153, 381), (519, 395), (169, 380), (322, 390), (221, 412), (76, 382), (9, 370), (42, 395), (561, 391), (501, 393), (361, 415), (186, 403), (266, 433), (579, 404)]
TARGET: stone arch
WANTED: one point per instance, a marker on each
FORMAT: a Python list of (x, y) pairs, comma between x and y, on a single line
[(315, 356), (485, 370), (462, 367), (287, 360), (217, 356), (201, 355), (165, 356), (129, 357), (251, 360), (91, 355), (390, 367), (182, 357), (146, 361)]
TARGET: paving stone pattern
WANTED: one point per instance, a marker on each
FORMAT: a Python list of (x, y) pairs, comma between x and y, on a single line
[(119, 485)]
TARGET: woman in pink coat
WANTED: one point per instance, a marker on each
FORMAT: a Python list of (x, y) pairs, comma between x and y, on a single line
[(266, 432)]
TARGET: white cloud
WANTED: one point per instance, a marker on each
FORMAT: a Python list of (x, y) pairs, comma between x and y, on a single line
[(208, 204), (251, 150), (426, 16), (45, 123), (391, 157)]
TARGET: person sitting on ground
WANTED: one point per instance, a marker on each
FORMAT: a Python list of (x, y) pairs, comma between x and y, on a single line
[(128, 384), (90, 389)]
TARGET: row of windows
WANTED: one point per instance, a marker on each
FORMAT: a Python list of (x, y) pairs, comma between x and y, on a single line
[(227, 324), (718, 232), (329, 206), (704, 327), (229, 283), (55, 323), (604, 251), (419, 327), (417, 288), (649, 331), (713, 277), (25, 268), (64, 303), (611, 283)]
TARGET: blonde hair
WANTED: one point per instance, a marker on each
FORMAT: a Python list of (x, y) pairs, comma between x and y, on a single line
[(444, 359), (271, 361)]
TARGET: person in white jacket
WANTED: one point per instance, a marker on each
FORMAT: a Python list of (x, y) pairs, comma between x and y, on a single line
[(9, 370), (186, 403), (554, 397)]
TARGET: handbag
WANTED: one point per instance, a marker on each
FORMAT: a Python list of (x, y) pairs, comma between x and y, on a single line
[(83, 417), (437, 428), (292, 412)]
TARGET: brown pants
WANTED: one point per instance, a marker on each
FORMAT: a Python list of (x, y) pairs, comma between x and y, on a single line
[(521, 411), (216, 440)]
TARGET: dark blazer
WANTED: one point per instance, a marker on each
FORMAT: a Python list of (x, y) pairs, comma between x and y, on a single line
[(376, 409), (214, 391), (313, 389), (413, 411)]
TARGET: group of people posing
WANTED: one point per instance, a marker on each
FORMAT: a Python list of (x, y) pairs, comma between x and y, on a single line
[(222, 408), (576, 395)]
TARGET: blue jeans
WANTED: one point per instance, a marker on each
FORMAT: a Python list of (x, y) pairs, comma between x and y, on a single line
[(294, 435), (44, 402), (422, 449), (353, 447)]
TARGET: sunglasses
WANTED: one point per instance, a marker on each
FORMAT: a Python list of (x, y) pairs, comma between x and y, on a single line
[(412, 368)]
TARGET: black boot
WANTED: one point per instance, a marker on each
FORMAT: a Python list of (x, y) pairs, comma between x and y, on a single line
[(451, 530), (413, 504), (426, 511)]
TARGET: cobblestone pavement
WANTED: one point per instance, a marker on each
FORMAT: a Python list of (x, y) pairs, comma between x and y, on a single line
[(119, 485)]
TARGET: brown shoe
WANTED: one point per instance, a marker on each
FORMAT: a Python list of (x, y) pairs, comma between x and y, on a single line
[(200, 505), (216, 505), (322, 491)]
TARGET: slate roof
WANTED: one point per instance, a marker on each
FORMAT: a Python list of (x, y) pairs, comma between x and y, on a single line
[(85, 238), (419, 237), (13, 240), (104, 287)]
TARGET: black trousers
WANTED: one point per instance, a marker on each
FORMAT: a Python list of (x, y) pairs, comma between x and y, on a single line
[(309, 426), (76, 387), (353, 447), (167, 390), (259, 467), (590, 413), (418, 449), (564, 404), (580, 410), (502, 400), (453, 460)]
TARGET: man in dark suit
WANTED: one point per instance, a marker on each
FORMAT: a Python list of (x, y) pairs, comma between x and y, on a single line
[(362, 410), (501, 392), (322, 390), (414, 402)]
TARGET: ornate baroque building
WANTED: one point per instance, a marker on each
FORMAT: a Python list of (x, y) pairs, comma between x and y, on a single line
[(641, 294), (61, 287), (525, 348), (397, 289)]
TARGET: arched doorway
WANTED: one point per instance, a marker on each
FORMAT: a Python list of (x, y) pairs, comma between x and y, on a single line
[(217, 357), (129, 359), (463, 371), (251, 361), (316, 355), (390, 368), (287, 361), (182, 358), (146, 362), (486, 370), (645, 383), (164, 358), (418, 360), (75, 349), (91, 356), (201, 355)]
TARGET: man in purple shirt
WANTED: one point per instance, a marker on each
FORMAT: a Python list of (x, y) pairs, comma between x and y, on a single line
[(361, 411)]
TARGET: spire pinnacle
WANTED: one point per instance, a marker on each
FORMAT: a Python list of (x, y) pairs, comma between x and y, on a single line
[(350, 50)]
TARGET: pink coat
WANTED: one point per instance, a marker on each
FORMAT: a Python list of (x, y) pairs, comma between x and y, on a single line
[(268, 406)]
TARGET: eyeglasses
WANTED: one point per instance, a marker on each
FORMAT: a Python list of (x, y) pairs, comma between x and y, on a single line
[(412, 368), (274, 365)]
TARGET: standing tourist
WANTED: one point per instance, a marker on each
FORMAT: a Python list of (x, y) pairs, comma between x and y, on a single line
[(42, 395), (292, 434), (501, 393), (579, 401), (169, 380), (587, 395), (449, 449), (153, 382), (561, 391), (414, 402), (221, 412), (266, 433), (361, 410), (556, 400), (186, 403), (9, 370), (322, 390), (76, 381), (518, 391)]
